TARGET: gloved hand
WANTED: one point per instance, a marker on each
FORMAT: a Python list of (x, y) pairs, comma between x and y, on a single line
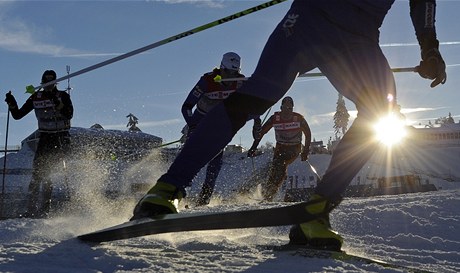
[(432, 67), (252, 152), (10, 100), (304, 154), (57, 103)]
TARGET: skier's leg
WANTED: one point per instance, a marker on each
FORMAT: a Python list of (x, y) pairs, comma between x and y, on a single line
[(33, 194), (274, 173), (363, 76), (47, 197), (369, 83), (283, 156), (212, 171), (38, 172), (277, 69)]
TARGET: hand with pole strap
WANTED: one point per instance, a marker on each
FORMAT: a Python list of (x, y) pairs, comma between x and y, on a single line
[(11, 101), (432, 67), (304, 154)]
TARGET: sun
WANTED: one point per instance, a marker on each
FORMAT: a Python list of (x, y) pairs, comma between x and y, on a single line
[(390, 130)]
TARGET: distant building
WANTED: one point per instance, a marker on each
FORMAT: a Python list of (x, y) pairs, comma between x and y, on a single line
[(234, 148), (317, 147), (443, 135)]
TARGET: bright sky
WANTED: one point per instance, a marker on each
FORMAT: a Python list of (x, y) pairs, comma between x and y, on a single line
[(40, 35)]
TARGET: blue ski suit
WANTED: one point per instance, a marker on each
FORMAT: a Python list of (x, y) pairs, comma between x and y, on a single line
[(341, 39), (204, 96)]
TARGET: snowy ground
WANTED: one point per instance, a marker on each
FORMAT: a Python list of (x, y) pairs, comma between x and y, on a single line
[(417, 230)]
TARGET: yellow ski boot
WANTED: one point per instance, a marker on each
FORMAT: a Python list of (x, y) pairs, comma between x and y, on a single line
[(162, 198), (317, 233)]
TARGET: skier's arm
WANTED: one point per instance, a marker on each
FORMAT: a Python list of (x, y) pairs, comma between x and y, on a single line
[(65, 105), (307, 132), (257, 135), (24, 110), (267, 126), (191, 100), (432, 66)]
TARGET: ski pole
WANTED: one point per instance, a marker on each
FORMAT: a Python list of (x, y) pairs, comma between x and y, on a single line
[(4, 161), (165, 41), (319, 74), (313, 169), (68, 80), (395, 70), (166, 144)]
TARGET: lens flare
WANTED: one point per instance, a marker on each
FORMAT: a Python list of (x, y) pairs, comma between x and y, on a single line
[(390, 130)]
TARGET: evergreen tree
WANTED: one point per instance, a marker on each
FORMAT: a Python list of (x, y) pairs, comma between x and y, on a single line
[(445, 120), (341, 118), (132, 123)]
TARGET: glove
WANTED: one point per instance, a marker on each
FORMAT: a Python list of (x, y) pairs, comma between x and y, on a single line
[(10, 100), (58, 105), (252, 152), (432, 67), (304, 154)]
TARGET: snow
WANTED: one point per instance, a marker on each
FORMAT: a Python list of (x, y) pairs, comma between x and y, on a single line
[(418, 230)]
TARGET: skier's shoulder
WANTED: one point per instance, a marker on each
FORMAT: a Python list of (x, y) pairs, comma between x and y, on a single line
[(299, 116), (62, 93), (211, 74)]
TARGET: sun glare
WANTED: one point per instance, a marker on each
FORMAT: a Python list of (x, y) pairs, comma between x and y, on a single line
[(390, 130)]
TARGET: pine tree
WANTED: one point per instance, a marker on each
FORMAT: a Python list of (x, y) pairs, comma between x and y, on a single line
[(445, 120), (132, 123), (341, 118)]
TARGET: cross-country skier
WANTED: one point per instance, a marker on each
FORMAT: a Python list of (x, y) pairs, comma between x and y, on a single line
[(289, 127), (207, 93), (341, 38), (54, 110)]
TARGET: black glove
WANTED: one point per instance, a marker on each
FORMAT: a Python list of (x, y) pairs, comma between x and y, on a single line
[(432, 67), (10, 100), (57, 103), (252, 152)]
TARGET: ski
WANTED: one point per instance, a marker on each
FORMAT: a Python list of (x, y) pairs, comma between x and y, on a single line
[(299, 250), (277, 216)]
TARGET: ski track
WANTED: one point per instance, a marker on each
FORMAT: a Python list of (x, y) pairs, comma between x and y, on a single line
[(416, 230)]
